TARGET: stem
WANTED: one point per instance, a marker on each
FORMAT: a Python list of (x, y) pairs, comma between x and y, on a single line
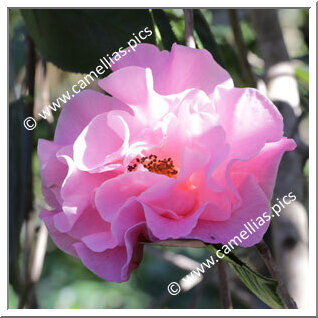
[(28, 295), (269, 262), (224, 286), (241, 48), (188, 21)]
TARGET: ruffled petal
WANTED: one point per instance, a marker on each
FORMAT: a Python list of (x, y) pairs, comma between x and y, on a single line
[(181, 69), (147, 105), (115, 264), (264, 166), (249, 119), (145, 56), (114, 193), (254, 204), (99, 144), (130, 214), (191, 68), (79, 111), (61, 240), (78, 192), (52, 171)]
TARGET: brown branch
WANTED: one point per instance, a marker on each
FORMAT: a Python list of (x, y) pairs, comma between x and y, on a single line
[(225, 293), (270, 264), (198, 292), (241, 48), (188, 21)]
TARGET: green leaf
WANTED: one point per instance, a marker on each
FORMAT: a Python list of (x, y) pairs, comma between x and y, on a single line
[(266, 289), (206, 36), (302, 75), (165, 29), (75, 39)]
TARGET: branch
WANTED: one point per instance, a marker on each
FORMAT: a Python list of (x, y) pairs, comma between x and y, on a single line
[(28, 294), (241, 48), (269, 262), (188, 21), (224, 286)]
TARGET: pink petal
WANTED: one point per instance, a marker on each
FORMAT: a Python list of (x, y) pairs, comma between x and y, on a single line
[(79, 111), (165, 224), (172, 195), (100, 241), (264, 166), (115, 264), (88, 228), (138, 93), (249, 119), (52, 171), (61, 240), (107, 265), (182, 68), (145, 56), (254, 204), (114, 193), (98, 144), (217, 201), (190, 68), (78, 192), (137, 82), (129, 215)]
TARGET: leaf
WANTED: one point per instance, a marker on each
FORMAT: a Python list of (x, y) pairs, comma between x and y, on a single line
[(165, 29), (266, 289), (302, 75), (206, 36), (76, 39)]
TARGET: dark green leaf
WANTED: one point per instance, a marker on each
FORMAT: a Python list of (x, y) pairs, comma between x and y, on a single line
[(163, 23), (76, 39), (20, 190)]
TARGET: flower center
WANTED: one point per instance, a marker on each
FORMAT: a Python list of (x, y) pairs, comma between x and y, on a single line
[(153, 164)]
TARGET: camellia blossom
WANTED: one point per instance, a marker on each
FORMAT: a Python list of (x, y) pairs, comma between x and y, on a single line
[(176, 152)]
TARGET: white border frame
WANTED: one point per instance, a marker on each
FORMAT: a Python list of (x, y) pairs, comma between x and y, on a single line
[(312, 163)]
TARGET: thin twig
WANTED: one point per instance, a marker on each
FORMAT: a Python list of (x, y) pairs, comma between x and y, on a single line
[(39, 254), (269, 262), (198, 292), (241, 48), (224, 286), (188, 20)]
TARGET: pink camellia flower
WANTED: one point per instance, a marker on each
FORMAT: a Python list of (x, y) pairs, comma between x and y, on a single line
[(177, 152)]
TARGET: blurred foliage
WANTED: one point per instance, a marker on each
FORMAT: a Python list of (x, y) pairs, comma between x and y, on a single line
[(65, 282)]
